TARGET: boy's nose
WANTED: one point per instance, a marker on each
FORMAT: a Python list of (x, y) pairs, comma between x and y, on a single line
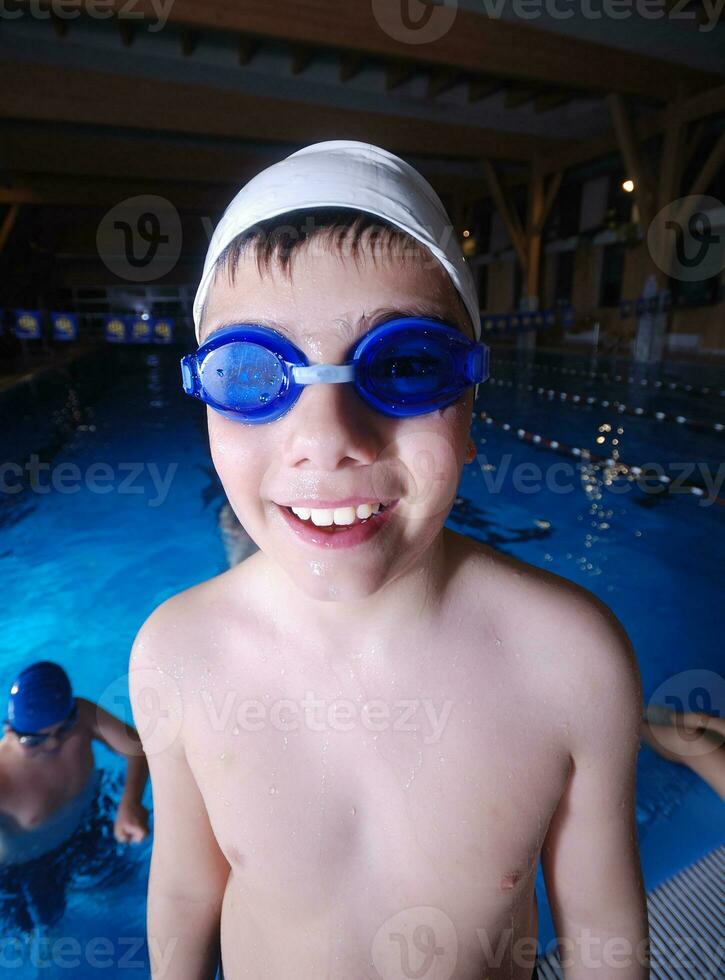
[(328, 424)]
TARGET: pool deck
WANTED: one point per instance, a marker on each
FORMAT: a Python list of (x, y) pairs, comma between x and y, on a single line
[(31, 367), (687, 924)]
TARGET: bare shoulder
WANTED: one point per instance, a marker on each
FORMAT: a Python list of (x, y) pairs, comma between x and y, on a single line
[(190, 619), (575, 652)]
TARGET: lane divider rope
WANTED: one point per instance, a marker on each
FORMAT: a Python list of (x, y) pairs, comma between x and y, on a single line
[(585, 455), (637, 411), (643, 382)]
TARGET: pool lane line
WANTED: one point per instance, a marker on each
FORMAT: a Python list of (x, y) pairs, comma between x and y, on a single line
[(587, 456), (630, 379), (623, 409)]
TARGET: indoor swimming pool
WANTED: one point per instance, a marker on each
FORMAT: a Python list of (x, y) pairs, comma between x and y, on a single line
[(82, 569)]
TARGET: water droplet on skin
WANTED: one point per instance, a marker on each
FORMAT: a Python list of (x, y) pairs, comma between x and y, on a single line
[(272, 790), (235, 730), (223, 755), (353, 811)]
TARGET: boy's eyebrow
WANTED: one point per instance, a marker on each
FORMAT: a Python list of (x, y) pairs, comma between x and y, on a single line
[(366, 322)]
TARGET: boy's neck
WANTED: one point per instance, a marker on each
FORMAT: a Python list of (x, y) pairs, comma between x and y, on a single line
[(411, 598)]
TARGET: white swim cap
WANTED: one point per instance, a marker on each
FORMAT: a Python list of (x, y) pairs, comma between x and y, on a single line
[(346, 173)]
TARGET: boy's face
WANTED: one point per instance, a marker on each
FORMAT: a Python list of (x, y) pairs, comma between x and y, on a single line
[(331, 445)]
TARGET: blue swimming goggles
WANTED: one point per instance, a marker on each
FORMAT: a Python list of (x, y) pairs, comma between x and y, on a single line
[(405, 367)]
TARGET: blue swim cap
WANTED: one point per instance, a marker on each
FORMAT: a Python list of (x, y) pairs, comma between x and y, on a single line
[(41, 695)]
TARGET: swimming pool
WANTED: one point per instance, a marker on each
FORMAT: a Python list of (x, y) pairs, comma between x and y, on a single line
[(83, 565)]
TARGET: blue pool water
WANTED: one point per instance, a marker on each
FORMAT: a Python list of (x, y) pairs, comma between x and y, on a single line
[(81, 570)]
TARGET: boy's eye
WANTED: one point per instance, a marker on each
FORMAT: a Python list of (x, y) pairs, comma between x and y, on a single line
[(406, 367)]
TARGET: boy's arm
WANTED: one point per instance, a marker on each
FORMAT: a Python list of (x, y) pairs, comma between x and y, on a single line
[(590, 857), (132, 817), (188, 870)]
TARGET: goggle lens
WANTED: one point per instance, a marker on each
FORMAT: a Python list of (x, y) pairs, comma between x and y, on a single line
[(411, 369), (243, 376)]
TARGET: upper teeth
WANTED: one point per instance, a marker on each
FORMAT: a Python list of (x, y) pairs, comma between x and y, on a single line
[(340, 515)]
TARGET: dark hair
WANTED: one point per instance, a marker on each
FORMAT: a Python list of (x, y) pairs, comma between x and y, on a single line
[(341, 229)]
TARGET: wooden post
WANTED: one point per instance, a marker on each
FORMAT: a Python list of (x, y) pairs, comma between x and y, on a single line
[(508, 214), (8, 223), (632, 159)]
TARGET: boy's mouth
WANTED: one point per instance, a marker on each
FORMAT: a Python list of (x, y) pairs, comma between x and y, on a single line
[(331, 531), (337, 520)]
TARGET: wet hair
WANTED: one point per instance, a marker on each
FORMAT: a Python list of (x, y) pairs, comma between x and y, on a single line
[(341, 231)]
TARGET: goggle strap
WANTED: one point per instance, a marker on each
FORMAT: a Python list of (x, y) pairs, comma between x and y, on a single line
[(190, 374), (327, 373), (477, 363)]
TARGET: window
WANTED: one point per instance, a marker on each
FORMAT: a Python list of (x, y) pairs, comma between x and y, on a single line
[(564, 277), (482, 285), (702, 293), (619, 201), (518, 284), (612, 273), (564, 220)]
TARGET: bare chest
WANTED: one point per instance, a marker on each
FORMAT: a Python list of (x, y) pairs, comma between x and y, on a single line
[(39, 787), (357, 786)]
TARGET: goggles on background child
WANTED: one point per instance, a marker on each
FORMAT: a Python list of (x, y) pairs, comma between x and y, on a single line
[(405, 367), (33, 739)]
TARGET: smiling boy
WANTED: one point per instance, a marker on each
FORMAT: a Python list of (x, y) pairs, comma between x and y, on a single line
[(302, 829)]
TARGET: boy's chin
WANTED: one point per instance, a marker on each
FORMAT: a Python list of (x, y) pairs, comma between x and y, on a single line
[(327, 580)]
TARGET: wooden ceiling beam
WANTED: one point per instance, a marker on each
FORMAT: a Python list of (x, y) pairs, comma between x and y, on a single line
[(481, 88), (75, 95), (546, 101), (302, 57), (692, 109), (518, 95), (397, 73), (248, 48), (442, 80), (98, 192), (189, 42), (351, 63), (467, 40)]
